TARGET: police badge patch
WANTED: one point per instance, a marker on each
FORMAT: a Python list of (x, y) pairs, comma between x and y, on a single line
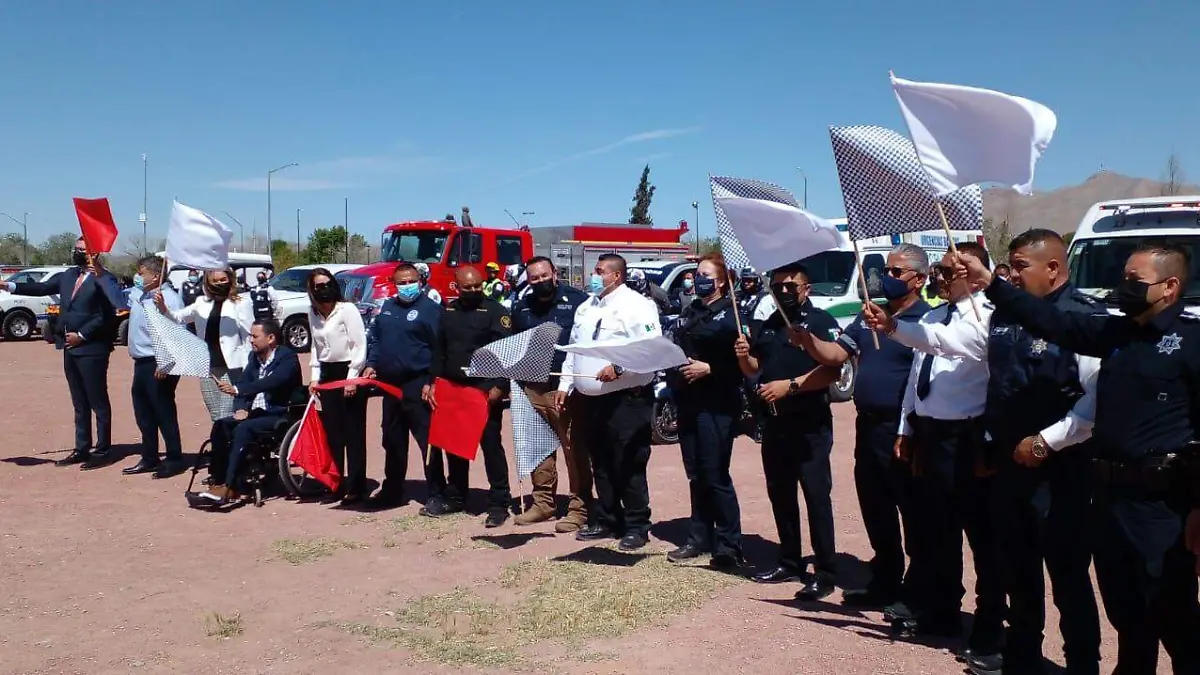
[(1169, 343), (505, 321), (1038, 347), (412, 315)]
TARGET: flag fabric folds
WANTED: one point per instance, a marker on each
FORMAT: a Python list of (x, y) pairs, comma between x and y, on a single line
[(96, 224), (723, 187), (458, 421), (639, 355), (773, 234), (310, 450), (524, 357), (886, 191), (176, 350), (533, 438), (966, 135), (197, 240)]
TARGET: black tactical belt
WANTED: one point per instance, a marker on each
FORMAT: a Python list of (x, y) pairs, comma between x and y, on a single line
[(1159, 473)]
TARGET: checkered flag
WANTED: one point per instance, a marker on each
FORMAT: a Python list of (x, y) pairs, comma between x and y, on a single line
[(887, 191), (524, 357), (748, 188), (533, 438), (176, 350)]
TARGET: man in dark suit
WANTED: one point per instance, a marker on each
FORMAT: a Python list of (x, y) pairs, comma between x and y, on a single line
[(88, 299), (261, 398)]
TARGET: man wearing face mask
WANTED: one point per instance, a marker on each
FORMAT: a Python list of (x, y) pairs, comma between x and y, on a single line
[(688, 293), (613, 417), (794, 377), (470, 322), (548, 300), (750, 294), (1143, 438), (263, 300), (86, 327), (400, 344), (1039, 409)]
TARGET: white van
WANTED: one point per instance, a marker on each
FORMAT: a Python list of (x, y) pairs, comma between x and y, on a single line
[(244, 265), (1111, 230)]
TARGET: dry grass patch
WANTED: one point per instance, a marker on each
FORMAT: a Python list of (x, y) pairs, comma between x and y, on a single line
[(300, 551), (217, 625)]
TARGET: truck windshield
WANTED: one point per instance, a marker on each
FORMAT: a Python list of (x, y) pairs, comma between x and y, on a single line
[(414, 246), (356, 288), (1097, 265), (829, 272)]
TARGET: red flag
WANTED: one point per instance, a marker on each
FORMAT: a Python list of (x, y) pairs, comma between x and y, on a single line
[(96, 223), (310, 450), (458, 421)]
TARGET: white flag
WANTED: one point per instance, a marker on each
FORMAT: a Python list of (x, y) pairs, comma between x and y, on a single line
[(774, 234), (524, 357), (635, 354), (176, 350), (967, 135), (196, 239)]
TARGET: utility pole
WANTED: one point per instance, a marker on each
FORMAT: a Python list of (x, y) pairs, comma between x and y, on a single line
[(696, 208), (142, 217), (346, 224), (240, 227), (269, 174), (298, 232), (805, 177), (24, 223)]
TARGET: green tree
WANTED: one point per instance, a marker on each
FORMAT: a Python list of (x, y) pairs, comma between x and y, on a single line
[(56, 250), (640, 213), (12, 249), (326, 245), (283, 255), (1068, 238)]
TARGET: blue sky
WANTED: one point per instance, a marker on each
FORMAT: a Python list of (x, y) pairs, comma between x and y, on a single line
[(412, 109)]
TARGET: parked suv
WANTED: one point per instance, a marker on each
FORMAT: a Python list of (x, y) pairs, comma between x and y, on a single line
[(21, 315)]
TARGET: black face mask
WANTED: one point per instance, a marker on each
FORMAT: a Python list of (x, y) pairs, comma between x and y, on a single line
[(79, 258), (1131, 296), (324, 293), (788, 301), (543, 290), (220, 290), (471, 299)]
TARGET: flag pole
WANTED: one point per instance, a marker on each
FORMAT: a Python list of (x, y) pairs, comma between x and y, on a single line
[(737, 319), (862, 281), (938, 204)]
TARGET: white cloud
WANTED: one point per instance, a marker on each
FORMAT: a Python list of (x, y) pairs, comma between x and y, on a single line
[(339, 173), (281, 184), (632, 139)]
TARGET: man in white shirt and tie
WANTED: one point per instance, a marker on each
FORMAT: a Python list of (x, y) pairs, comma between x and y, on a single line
[(941, 430), (614, 424)]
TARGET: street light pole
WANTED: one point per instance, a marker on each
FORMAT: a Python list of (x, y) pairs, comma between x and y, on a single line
[(145, 184), (24, 223), (346, 224), (805, 177), (269, 174), (298, 233), (696, 208), (240, 227)]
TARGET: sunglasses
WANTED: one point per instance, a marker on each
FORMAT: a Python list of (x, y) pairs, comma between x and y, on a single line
[(897, 272), (789, 287)]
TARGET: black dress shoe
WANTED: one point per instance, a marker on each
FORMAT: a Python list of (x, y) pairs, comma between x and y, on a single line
[(896, 610), (778, 575), (495, 518), (867, 598), (169, 468), (383, 500), (75, 457), (437, 506), (633, 541), (143, 466), (94, 462), (594, 533), (986, 664), (925, 625), (818, 589), (685, 552), (730, 564)]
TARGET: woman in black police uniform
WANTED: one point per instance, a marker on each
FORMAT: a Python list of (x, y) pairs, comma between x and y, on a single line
[(709, 400)]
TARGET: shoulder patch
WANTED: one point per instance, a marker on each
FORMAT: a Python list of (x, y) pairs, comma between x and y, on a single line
[(1086, 299), (506, 321), (988, 305)]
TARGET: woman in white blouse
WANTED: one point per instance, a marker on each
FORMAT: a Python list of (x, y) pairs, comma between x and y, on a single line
[(339, 349), (223, 320)]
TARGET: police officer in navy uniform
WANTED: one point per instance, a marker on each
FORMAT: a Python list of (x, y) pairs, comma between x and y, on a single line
[(1147, 409), (882, 480), (400, 343), (470, 322), (750, 294), (798, 432), (262, 299)]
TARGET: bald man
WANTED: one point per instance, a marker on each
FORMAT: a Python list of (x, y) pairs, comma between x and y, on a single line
[(470, 322)]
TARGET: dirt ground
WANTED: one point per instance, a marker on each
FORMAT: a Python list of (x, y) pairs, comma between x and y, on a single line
[(103, 573)]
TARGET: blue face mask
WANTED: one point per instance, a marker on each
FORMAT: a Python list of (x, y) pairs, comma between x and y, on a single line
[(705, 286), (408, 292), (596, 284), (138, 282), (893, 288), (688, 283)]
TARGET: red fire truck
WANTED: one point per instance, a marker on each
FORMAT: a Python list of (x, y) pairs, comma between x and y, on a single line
[(576, 257)]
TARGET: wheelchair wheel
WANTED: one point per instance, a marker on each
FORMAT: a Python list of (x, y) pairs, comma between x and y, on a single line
[(298, 483), (258, 497)]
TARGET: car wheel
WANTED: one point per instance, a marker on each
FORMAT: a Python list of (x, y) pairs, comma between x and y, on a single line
[(842, 389), (19, 325), (296, 334), (123, 332)]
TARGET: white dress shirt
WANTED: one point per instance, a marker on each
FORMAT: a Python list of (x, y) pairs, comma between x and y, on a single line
[(237, 317), (338, 338), (968, 339), (622, 313)]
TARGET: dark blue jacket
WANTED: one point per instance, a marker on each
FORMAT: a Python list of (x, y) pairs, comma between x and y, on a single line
[(279, 382), (91, 312), (400, 342), (529, 312)]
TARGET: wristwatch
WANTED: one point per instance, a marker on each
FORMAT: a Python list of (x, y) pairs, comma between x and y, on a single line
[(618, 370), (793, 387), (1040, 449)]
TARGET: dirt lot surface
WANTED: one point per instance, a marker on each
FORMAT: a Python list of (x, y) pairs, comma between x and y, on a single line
[(110, 574)]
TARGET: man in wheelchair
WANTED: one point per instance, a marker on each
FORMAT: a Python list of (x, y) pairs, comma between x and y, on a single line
[(261, 399)]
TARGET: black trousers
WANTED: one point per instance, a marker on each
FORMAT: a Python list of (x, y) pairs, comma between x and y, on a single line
[(87, 380), (404, 417), (154, 410), (792, 454), (1041, 517), (616, 427), (345, 421), (1147, 579), (706, 439), (454, 487), (229, 440), (949, 498), (883, 484)]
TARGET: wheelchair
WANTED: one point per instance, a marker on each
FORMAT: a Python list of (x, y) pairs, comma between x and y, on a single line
[(264, 458)]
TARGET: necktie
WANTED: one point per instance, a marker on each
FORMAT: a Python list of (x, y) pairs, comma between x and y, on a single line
[(927, 362), (78, 283)]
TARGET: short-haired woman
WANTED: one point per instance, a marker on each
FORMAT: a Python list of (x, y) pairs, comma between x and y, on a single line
[(339, 348)]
